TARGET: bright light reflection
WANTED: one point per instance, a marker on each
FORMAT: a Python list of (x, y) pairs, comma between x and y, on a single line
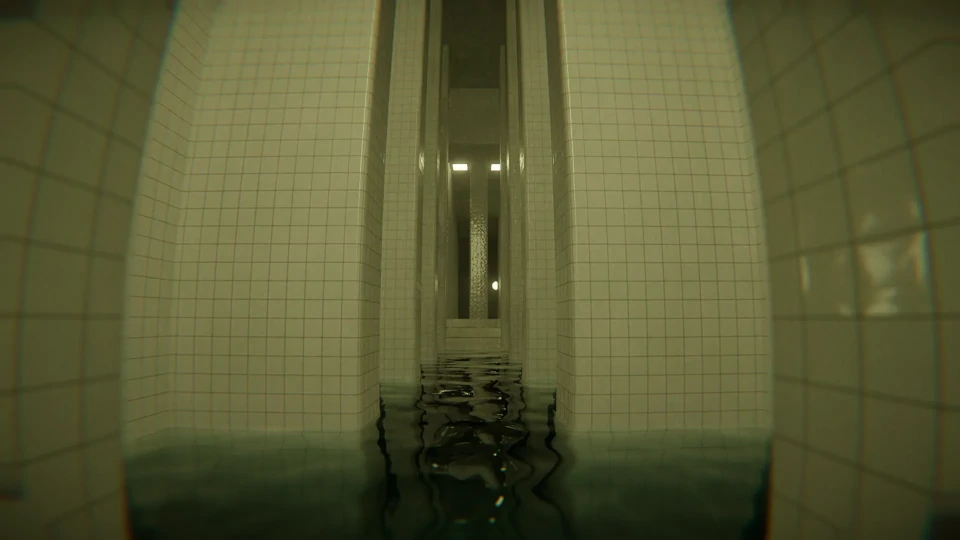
[(494, 166), (460, 167), (496, 285)]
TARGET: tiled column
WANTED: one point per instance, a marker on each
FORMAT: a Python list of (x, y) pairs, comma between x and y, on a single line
[(516, 181), (150, 323), (280, 250), (399, 314), (667, 315), (559, 143), (430, 192), (540, 356), (443, 202), (506, 282), (479, 281)]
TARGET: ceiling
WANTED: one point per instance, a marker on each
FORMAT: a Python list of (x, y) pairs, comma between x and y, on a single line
[(474, 30)]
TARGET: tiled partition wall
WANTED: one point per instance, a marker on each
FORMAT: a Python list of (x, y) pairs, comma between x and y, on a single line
[(857, 126), (515, 266), (429, 163), (149, 325), (562, 196), (76, 84), (280, 245), (540, 357), (443, 217), (665, 322), (372, 207), (399, 315)]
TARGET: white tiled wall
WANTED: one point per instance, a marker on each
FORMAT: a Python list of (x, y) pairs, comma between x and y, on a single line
[(76, 84), (399, 314), (427, 200), (515, 325), (540, 357), (659, 261), (562, 195), (279, 257), (443, 220), (372, 207), (515, 265), (149, 325), (857, 126)]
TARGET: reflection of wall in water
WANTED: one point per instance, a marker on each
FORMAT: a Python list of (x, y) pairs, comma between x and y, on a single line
[(404, 507), (479, 444)]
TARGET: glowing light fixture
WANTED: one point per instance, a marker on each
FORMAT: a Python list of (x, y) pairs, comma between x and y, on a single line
[(494, 166), (496, 285), (460, 167)]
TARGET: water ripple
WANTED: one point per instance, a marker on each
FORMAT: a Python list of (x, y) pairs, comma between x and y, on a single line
[(469, 453)]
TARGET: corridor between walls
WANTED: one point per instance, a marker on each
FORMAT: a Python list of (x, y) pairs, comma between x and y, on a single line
[(236, 217)]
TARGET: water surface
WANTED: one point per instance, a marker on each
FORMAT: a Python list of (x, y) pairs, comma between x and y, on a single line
[(469, 454)]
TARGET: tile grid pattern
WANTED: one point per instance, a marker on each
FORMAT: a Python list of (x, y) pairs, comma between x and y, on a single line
[(516, 265), (277, 260), (665, 332), (375, 126), (444, 217), (516, 207), (503, 225), (562, 196), (430, 318), (856, 127), (76, 83), (540, 356), (399, 323), (152, 271), (758, 266), (501, 134)]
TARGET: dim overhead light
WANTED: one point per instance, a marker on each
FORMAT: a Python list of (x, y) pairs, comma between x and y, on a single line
[(494, 166), (460, 167), (496, 285)]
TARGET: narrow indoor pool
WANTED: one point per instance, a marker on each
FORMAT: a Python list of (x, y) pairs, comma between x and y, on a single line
[(470, 453)]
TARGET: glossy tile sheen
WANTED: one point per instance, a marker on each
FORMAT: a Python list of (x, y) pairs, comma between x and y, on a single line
[(861, 368), (399, 330)]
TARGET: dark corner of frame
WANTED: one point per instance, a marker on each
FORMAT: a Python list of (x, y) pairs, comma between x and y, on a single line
[(17, 9)]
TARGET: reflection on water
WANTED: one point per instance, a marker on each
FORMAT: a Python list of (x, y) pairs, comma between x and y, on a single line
[(468, 454), (485, 453)]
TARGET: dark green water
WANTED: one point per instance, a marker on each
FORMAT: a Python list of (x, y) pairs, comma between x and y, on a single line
[(469, 454)]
